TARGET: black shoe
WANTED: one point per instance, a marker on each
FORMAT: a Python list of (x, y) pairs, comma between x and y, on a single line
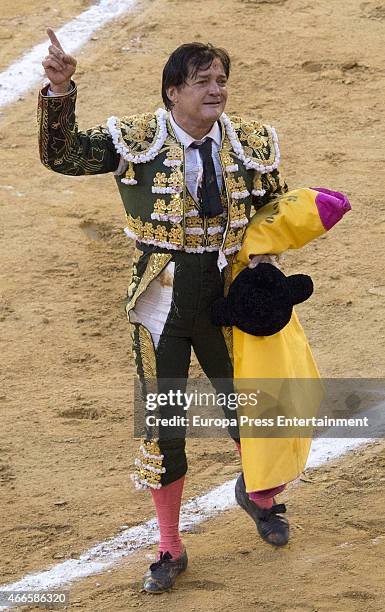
[(272, 528), (162, 574)]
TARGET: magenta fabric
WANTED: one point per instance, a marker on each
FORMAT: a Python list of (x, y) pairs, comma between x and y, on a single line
[(332, 205), (167, 502), (263, 498)]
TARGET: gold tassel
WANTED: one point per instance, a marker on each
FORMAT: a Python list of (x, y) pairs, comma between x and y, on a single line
[(257, 185), (149, 466), (129, 178)]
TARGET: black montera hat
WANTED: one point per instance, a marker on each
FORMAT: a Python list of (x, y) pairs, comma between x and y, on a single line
[(261, 299)]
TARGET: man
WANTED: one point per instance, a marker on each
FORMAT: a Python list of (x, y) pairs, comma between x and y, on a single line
[(190, 179)]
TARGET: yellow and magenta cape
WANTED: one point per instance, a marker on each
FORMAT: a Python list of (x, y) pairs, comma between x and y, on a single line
[(289, 222)]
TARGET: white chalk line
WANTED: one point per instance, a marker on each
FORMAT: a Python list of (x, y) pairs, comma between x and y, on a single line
[(27, 72), (105, 555)]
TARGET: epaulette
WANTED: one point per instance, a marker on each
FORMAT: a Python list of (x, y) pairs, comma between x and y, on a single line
[(139, 138), (254, 143)]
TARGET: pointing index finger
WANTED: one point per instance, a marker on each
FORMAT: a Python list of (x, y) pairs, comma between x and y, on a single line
[(54, 39)]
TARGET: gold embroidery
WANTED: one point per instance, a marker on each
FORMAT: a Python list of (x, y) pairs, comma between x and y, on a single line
[(228, 336), (175, 207), (160, 180), (197, 222), (190, 204), (135, 225), (256, 140), (228, 331), (130, 172), (194, 222), (226, 158), (66, 149), (237, 211), (137, 255), (193, 241), (175, 235), (214, 240), (160, 233), (160, 206), (227, 274), (235, 184), (155, 265), (175, 153), (147, 353), (149, 465), (218, 221), (148, 231), (134, 281), (257, 182), (176, 179), (42, 117), (129, 176), (139, 132), (234, 237), (273, 183)]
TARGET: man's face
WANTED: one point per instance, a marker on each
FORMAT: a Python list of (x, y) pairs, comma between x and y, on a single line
[(202, 99)]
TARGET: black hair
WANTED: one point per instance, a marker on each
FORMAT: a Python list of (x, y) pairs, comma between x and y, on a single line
[(186, 60)]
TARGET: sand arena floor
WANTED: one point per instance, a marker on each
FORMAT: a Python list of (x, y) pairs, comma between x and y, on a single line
[(314, 70)]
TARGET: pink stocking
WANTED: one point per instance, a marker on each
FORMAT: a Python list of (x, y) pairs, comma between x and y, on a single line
[(167, 501), (263, 499)]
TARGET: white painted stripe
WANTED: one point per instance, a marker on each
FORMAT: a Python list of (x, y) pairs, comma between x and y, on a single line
[(27, 71), (103, 556)]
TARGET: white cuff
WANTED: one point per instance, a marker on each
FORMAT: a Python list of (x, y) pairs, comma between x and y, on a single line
[(52, 94)]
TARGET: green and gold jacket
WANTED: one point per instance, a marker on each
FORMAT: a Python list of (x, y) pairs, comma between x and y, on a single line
[(148, 163)]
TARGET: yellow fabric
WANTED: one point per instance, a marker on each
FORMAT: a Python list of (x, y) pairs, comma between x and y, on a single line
[(289, 222)]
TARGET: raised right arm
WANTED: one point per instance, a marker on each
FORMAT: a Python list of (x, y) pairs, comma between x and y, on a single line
[(63, 148)]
